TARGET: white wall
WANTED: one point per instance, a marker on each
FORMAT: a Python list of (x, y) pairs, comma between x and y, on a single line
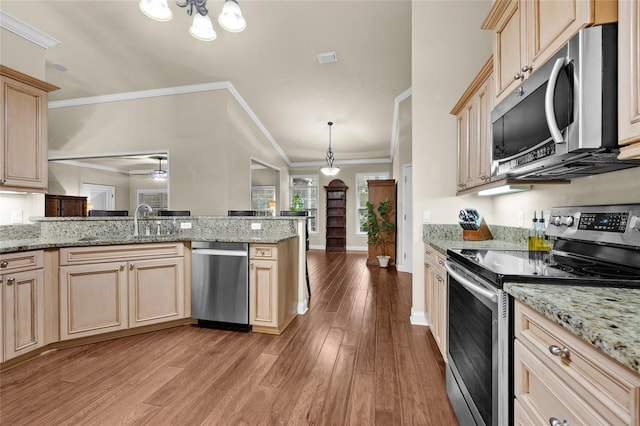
[(448, 50)]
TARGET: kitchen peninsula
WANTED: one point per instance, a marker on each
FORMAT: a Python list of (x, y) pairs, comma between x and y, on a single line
[(145, 281)]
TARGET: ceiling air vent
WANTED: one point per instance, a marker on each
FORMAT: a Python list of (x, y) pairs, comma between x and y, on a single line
[(327, 57)]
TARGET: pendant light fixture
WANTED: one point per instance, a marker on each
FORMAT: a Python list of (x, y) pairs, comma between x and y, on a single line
[(230, 18), (330, 169), (159, 174)]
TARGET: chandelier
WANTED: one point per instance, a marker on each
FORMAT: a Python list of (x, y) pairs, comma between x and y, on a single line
[(230, 18), (330, 169), (159, 174)]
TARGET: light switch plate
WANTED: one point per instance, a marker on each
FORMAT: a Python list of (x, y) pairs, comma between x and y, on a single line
[(16, 216), (426, 216), (256, 226)]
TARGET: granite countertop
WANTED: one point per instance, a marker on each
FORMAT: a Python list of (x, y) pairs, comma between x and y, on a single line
[(449, 236), (606, 317), (83, 232)]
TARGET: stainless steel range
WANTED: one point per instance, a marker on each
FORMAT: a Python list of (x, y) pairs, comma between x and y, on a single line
[(594, 246)]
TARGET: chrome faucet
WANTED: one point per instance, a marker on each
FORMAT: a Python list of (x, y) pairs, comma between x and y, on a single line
[(135, 218)]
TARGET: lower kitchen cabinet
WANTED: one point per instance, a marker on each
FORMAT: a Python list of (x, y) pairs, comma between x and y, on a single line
[(559, 376), (22, 317), (111, 288), (273, 285), (436, 296)]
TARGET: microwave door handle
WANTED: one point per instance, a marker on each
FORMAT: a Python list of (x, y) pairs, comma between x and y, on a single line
[(471, 286), (549, 110)]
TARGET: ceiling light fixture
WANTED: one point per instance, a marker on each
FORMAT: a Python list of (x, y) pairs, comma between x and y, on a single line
[(230, 18), (159, 174), (330, 169)]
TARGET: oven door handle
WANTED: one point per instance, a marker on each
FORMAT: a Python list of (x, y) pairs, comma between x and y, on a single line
[(470, 285)]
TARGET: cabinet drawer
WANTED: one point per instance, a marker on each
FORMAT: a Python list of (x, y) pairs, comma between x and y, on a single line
[(81, 255), (542, 396), (263, 252), (14, 262), (607, 386)]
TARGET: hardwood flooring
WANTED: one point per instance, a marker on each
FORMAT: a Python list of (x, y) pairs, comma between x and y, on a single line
[(353, 359)]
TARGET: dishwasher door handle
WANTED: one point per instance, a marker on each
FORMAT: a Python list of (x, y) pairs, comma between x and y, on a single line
[(214, 252)]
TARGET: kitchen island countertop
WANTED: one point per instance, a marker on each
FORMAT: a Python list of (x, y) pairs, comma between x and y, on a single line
[(606, 317)]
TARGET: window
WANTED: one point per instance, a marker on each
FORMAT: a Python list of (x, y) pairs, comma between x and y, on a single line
[(307, 188), (362, 195), (263, 200)]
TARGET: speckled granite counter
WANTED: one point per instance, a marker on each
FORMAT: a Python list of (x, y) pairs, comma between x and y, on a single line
[(93, 231), (605, 317), (446, 236)]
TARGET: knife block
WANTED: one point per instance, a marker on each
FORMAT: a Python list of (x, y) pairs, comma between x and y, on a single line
[(481, 234)]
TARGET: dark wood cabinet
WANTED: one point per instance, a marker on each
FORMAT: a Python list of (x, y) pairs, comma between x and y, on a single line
[(379, 191), (64, 205), (336, 216)]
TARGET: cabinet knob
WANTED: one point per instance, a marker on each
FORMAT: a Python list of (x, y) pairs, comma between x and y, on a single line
[(556, 422), (252, 264), (4, 264), (122, 267), (439, 278), (527, 68), (11, 280), (132, 266), (3, 180), (561, 352), (518, 76)]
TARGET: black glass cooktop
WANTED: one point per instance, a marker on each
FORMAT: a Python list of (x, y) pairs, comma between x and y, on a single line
[(500, 266)]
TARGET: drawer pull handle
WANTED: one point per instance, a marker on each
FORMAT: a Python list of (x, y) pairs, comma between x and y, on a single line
[(555, 422), (4, 264), (561, 352)]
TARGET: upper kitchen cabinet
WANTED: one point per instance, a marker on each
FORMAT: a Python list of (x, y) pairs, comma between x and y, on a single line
[(23, 145), (473, 114), (629, 79), (529, 32)]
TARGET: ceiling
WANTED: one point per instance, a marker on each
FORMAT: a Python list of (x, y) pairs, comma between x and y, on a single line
[(110, 47)]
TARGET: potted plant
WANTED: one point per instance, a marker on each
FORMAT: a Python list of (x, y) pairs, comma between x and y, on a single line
[(380, 228), (297, 205)]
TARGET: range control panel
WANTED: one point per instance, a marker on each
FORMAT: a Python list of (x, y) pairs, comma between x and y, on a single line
[(607, 222), (614, 224)]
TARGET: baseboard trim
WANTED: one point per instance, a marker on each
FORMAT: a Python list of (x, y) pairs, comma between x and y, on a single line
[(418, 318)]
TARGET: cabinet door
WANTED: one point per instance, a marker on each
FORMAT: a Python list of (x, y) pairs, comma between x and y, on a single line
[(263, 282), (629, 78), (93, 299), (465, 140), (551, 24), (23, 157), (156, 291), (23, 312), (440, 289), (509, 52), (482, 152)]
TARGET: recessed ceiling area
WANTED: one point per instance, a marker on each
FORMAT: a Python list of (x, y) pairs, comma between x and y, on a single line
[(110, 47)]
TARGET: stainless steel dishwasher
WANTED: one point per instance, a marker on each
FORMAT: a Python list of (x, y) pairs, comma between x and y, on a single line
[(220, 284)]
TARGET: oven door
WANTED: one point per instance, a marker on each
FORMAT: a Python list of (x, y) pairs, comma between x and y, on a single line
[(477, 370)]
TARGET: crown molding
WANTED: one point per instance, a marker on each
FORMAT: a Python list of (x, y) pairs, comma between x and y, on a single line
[(26, 31), (358, 162), (394, 125)]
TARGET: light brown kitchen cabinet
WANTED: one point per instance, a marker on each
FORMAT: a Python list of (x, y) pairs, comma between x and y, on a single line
[(111, 288), (23, 123), (435, 277), (473, 115), (22, 318), (528, 32), (273, 285), (559, 376), (629, 79)]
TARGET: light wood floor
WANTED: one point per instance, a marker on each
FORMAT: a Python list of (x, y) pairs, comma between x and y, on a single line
[(354, 358)]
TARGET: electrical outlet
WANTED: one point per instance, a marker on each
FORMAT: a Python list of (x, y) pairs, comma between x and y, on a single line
[(185, 225), (520, 219), (16, 216), (426, 216), (256, 226)]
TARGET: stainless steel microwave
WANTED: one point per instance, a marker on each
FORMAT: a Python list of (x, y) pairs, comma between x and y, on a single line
[(561, 123)]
